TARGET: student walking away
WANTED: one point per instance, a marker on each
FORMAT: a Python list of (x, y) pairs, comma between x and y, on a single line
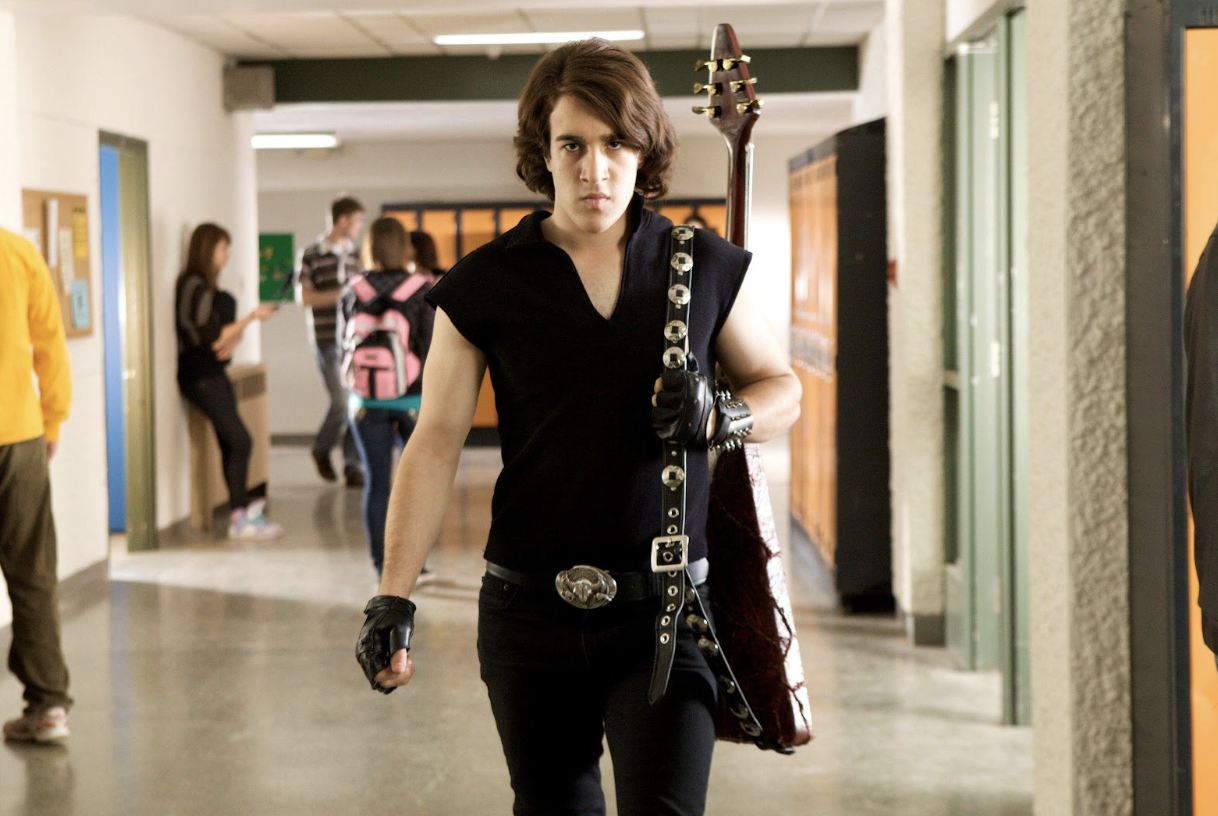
[(577, 632), (325, 267), (31, 343), (386, 329), (208, 333), (426, 259), (1201, 407)]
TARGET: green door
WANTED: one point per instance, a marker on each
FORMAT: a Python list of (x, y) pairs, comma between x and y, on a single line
[(986, 431)]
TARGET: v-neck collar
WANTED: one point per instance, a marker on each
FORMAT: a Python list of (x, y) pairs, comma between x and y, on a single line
[(529, 235)]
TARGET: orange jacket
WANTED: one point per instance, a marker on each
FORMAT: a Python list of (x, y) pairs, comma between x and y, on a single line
[(31, 341)]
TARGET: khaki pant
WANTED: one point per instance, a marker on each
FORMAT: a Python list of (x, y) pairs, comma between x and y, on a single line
[(28, 561)]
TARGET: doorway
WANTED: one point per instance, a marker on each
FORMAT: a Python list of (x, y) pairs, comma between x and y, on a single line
[(986, 573), (127, 339)]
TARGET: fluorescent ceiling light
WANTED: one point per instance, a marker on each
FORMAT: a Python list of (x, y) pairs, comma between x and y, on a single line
[(298, 141), (534, 37)]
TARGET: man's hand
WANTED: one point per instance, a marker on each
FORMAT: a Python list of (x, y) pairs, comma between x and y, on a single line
[(683, 406), (52, 446), (382, 648)]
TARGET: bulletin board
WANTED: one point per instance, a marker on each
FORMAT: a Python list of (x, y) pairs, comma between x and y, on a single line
[(58, 224), (276, 267)]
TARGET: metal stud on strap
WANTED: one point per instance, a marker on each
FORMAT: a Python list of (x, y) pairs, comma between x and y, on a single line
[(676, 331), (682, 233), (674, 357), (673, 477), (679, 294), (682, 262)]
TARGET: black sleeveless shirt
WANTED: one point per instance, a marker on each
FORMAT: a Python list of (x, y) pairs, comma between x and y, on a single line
[(581, 464)]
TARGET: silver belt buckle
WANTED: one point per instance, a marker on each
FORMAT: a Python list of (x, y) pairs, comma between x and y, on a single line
[(585, 587), (669, 553)]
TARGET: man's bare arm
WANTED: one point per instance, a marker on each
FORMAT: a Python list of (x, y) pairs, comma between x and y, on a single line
[(308, 296), (757, 370), (452, 380)]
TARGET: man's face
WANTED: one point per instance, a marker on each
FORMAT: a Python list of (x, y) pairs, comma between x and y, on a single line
[(594, 173), (350, 225)]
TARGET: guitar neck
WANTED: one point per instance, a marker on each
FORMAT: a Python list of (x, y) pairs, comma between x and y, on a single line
[(739, 192)]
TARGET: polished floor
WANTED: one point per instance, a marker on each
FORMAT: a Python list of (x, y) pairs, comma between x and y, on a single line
[(218, 679)]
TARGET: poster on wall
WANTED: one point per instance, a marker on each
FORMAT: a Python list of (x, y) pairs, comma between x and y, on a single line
[(276, 261)]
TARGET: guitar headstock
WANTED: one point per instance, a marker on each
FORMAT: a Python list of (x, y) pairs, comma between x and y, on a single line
[(732, 105)]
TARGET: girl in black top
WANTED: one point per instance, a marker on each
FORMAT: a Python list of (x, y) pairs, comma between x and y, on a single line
[(208, 333)]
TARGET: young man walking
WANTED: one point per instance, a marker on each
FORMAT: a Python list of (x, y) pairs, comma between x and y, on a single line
[(324, 267), (31, 342), (568, 312)]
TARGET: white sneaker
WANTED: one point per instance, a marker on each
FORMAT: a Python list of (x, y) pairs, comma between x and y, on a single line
[(251, 525), (48, 726)]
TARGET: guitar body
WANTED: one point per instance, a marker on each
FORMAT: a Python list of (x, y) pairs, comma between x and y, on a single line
[(754, 620)]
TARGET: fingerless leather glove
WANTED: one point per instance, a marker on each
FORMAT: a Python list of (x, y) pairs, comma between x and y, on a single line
[(387, 629), (683, 406)]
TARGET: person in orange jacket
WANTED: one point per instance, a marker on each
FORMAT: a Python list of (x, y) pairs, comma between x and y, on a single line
[(32, 340)]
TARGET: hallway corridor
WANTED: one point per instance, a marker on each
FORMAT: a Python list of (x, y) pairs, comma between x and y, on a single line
[(219, 679)]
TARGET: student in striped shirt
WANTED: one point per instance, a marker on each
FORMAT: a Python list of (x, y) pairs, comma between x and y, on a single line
[(325, 267)]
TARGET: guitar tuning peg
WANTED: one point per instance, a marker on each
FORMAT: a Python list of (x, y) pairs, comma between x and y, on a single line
[(710, 87), (711, 111), (737, 84), (749, 107), (712, 65)]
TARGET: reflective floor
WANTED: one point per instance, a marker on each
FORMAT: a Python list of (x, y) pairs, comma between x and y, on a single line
[(220, 679)]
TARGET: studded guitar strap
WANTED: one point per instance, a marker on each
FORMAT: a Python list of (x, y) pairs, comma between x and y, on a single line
[(670, 550)]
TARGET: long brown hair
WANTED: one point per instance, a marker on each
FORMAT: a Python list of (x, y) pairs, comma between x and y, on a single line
[(389, 245), (425, 255), (200, 256), (612, 83)]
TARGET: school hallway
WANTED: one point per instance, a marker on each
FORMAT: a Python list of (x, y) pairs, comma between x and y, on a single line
[(216, 678)]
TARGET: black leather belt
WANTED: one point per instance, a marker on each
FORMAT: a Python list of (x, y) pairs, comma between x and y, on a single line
[(628, 586), (670, 549)]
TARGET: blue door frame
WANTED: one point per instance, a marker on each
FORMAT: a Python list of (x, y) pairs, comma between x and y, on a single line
[(112, 287)]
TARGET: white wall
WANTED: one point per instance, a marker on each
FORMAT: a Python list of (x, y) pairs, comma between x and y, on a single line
[(295, 188), (10, 149), (963, 13), (75, 76), (872, 99)]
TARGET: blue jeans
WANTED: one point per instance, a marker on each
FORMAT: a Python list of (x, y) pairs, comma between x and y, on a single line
[(377, 432), (333, 428)]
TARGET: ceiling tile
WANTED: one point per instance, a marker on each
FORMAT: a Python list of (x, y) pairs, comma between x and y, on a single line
[(794, 20), (854, 17), (216, 33), (301, 33), (592, 19), (496, 23), (389, 28)]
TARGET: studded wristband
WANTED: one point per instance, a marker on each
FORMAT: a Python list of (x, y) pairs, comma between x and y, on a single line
[(735, 422)]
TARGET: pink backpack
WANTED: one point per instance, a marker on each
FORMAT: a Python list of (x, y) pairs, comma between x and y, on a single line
[(377, 360)]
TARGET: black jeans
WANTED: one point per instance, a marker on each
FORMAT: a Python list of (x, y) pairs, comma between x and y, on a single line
[(214, 396), (561, 679)]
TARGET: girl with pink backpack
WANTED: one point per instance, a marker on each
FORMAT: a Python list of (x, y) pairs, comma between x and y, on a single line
[(385, 332)]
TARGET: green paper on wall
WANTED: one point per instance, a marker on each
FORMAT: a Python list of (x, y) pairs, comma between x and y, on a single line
[(276, 261)]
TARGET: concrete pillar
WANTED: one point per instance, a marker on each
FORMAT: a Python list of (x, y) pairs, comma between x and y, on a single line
[(1079, 500), (915, 309), (10, 147)]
